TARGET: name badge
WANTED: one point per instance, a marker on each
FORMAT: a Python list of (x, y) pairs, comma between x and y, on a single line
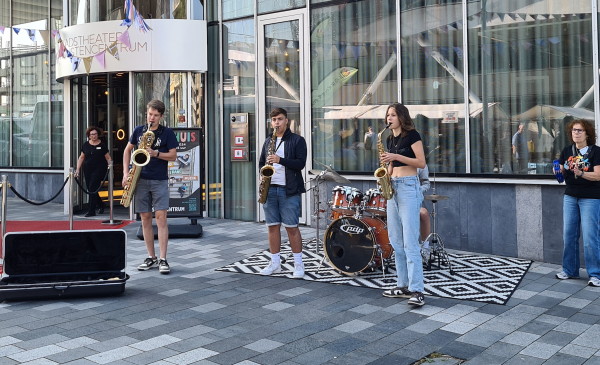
[(98, 148)]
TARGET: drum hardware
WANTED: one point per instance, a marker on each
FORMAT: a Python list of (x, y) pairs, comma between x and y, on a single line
[(437, 245)]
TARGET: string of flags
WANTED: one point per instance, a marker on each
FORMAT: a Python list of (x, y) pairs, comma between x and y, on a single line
[(132, 17)]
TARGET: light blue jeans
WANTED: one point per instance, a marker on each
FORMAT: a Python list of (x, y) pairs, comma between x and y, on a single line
[(584, 212), (403, 230)]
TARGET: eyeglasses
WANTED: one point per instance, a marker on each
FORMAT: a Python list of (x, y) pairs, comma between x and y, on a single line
[(93, 134), (575, 130)]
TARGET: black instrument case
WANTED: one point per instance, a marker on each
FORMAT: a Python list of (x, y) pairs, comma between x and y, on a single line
[(63, 264)]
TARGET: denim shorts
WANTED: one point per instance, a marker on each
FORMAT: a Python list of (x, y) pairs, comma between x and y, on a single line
[(151, 193), (280, 208)]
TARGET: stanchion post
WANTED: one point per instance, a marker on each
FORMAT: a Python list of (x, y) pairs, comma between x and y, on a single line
[(4, 190), (110, 195), (71, 185)]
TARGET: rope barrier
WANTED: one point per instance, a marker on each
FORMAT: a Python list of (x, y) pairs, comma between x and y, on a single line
[(38, 203), (100, 187)]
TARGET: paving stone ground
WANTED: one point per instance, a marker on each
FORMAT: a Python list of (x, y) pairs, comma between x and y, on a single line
[(197, 315)]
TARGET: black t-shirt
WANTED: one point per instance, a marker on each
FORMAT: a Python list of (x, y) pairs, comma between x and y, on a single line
[(580, 187), (94, 155), (156, 169), (403, 146)]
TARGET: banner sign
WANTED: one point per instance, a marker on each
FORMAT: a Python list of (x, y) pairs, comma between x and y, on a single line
[(185, 175)]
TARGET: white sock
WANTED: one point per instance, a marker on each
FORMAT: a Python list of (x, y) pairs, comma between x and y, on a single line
[(298, 257), (276, 258)]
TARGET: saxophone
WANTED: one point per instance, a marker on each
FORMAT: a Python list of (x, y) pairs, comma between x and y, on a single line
[(382, 175), (139, 159), (267, 172)]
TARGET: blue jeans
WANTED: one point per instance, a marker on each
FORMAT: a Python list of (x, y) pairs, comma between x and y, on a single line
[(584, 212), (403, 230), (280, 208)]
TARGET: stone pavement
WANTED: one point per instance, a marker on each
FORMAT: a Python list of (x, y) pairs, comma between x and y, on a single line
[(197, 315)]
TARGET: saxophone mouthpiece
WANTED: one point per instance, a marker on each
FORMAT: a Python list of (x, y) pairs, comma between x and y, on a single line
[(388, 125)]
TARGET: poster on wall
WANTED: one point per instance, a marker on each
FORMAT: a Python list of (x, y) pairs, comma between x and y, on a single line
[(185, 180)]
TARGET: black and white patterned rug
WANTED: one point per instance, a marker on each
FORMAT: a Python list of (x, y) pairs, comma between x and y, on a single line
[(478, 278)]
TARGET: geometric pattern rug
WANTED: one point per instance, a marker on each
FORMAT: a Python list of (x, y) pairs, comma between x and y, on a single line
[(475, 277)]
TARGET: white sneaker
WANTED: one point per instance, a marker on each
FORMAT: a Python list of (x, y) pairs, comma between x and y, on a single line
[(298, 270), (563, 276), (273, 268), (594, 281)]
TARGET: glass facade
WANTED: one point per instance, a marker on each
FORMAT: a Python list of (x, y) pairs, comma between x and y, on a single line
[(89, 11), (239, 61), (170, 88), (31, 101), (353, 71)]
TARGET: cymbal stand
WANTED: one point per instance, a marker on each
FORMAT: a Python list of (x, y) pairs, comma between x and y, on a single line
[(316, 213), (437, 245)]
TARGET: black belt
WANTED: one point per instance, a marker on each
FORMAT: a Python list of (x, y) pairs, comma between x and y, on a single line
[(277, 186)]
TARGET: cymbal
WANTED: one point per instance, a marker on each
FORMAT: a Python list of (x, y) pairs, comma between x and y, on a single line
[(331, 175), (435, 197)]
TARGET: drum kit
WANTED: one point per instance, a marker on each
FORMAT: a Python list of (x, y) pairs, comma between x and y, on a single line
[(356, 240)]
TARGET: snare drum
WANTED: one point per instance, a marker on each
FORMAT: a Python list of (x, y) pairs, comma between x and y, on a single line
[(352, 245), (346, 199), (375, 203)]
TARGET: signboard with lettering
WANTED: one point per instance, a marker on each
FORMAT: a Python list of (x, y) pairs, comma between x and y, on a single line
[(160, 49), (185, 175)]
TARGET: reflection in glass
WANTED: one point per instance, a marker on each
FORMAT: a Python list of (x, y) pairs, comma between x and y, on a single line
[(433, 81), (197, 107), (353, 79), (90, 11), (237, 8), (267, 6), (239, 97), (531, 67), (213, 130), (170, 88), (282, 76), (5, 72)]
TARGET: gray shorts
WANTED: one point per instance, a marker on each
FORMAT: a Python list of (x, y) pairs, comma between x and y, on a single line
[(151, 193)]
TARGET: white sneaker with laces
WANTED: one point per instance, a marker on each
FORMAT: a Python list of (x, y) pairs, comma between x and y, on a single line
[(594, 281), (273, 268), (298, 270), (563, 276)]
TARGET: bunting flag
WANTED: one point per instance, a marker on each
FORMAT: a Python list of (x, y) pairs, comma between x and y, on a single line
[(237, 64), (444, 29), (526, 45), (133, 17), (296, 44), (140, 23), (17, 30), (2, 29), (55, 33), (341, 47), (554, 40), (245, 64), (31, 34), (100, 58), (355, 51), (75, 62), (368, 47), (87, 62), (541, 41), (61, 50), (393, 44), (459, 52), (279, 65), (523, 16), (45, 36), (69, 54), (501, 16), (512, 16), (112, 49), (124, 38)]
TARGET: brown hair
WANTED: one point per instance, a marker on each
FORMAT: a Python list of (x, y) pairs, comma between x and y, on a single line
[(588, 127), (406, 122), (157, 105), (93, 128), (275, 112)]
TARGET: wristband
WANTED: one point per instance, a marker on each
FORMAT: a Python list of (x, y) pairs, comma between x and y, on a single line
[(157, 154), (582, 172)]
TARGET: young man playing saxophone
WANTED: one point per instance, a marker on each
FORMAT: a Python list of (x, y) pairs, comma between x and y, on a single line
[(286, 188), (152, 189)]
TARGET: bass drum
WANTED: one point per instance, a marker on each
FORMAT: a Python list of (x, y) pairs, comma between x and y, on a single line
[(350, 243)]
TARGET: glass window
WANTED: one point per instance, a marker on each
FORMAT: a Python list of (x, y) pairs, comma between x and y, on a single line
[(531, 69), (267, 6), (237, 8), (213, 130), (197, 9), (28, 79), (433, 80), (170, 88), (212, 10), (239, 97), (353, 77), (85, 11)]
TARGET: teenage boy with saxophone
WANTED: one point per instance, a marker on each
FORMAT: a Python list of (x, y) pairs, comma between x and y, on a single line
[(285, 190), (152, 189)]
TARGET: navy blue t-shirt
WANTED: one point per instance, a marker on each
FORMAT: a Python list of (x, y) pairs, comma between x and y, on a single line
[(156, 169)]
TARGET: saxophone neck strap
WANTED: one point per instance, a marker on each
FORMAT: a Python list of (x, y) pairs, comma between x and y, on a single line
[(157, 133)]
